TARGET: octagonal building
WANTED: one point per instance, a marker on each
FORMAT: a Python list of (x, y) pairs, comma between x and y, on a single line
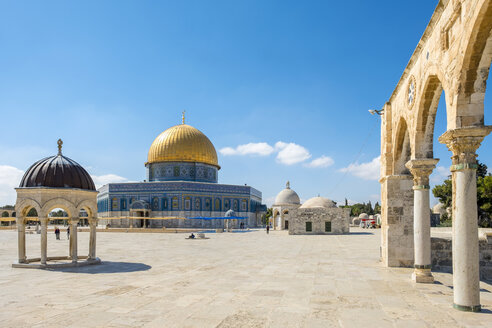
[(182, 182)]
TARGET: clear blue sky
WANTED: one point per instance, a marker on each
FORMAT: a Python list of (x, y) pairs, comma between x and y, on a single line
[(108, 76)]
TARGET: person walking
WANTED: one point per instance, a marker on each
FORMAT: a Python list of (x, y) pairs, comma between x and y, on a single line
[(68, 232), (268, 229), (57, 233)]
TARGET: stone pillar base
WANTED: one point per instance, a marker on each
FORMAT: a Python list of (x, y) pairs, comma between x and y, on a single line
[(423, 276), (476, 308)]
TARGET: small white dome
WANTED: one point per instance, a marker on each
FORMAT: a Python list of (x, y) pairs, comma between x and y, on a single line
[(364, 216), (439, 209), (287, 197), (318, 202)]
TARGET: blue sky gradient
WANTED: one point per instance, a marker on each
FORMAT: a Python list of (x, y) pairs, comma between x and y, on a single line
[(108, 76)]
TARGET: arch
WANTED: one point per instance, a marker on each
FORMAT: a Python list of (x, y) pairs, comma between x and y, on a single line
[(426, 115), (402, 151), (89, 206), (5, 214), (285, 212), (62, 203), (475, 69), (24, 206), (140, 205)]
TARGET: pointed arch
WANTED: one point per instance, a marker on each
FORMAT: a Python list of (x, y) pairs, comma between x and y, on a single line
[(25, 205), (475, 69), (426, 116), (402, 151), (62, 203)]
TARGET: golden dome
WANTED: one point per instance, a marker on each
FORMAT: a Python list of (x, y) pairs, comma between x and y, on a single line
[(182, 143)]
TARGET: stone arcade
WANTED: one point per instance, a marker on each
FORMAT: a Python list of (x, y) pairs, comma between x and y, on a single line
[(50, 183), (453, 56)]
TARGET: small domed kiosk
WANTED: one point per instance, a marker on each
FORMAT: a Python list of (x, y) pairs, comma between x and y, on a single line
[(51, 183), (286, 201)]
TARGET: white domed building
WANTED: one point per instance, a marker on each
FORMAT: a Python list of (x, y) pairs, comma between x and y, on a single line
[(319, 216), (286, 201)]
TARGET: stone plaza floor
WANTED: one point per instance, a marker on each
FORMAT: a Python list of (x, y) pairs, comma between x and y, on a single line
[(246, 279)]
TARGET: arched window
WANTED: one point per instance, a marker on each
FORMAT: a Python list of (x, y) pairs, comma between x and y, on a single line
[(217, 204), (155, 203), (115, 204), (123, 204), (244, 205)]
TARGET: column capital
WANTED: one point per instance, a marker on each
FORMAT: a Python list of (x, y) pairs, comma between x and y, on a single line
[(421, 169), (463, 143), (74, 220), (43, 219)]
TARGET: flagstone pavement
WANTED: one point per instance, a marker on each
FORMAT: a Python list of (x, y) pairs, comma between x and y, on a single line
[(246, 279)]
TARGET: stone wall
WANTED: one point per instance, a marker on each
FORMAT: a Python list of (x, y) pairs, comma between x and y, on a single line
[(339, 218), (442, 256)]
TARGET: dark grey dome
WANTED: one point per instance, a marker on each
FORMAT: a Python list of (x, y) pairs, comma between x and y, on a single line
[(57, 172)]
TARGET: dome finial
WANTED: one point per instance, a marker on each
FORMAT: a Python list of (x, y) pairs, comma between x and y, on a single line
[(184, 116), (287, 185), (60, 144)]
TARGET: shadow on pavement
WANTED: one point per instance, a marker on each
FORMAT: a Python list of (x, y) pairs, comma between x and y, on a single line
[(107, 267), (361, 233)]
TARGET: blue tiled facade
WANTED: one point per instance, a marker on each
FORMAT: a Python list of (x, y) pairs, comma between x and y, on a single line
[(178, 171), (179, 196)]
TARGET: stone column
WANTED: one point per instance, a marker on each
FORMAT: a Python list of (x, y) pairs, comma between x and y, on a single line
[(92, 240), (21, 239), (464, 142), (73, 238), (421, 169), (44, 239)]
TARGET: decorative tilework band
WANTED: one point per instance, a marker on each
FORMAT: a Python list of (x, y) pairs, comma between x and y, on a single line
[(475, 308), (421, 187), (422, 267), (464, 166)]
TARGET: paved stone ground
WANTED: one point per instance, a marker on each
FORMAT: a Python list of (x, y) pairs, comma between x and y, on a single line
[(230, 280)]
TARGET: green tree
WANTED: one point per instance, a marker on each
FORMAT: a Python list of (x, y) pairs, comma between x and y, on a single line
[(484, 201), (377, 208), (32, 212), (444, 193), (266, 217)]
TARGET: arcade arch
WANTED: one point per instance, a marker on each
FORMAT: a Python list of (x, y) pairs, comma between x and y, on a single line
[(454, 56)]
